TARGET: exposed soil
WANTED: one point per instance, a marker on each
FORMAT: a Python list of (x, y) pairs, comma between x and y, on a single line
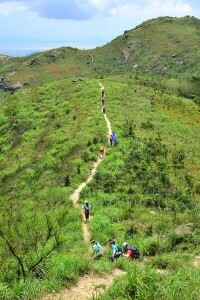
[(74, 197), (88, 286)]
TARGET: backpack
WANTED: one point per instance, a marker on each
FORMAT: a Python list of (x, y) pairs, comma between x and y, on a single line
[(114, 137), (101, 148), (135, 251), (119, 248)]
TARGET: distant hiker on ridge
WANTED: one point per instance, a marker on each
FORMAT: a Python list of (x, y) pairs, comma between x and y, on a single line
[(103, 109), (101, 151), (86, 206), (102, 90), (103, 101), (111, 140)]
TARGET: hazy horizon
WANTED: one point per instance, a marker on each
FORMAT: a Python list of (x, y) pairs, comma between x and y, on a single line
[(31, 26)]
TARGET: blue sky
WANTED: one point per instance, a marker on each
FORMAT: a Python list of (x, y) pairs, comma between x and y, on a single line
[(32, 25)]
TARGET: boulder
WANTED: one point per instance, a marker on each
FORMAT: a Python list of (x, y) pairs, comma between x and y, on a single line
[(196, 262), (187, 228)]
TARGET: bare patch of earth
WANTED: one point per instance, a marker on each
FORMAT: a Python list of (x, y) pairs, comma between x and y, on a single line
[(88, 286)]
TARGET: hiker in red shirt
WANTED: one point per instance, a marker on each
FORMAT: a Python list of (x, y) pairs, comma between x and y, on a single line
[(130, 251)]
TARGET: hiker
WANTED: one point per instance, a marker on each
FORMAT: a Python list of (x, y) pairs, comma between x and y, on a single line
[(103, 101), (86, 206), (102, 90), (130, 251), (114, 137), (116, 250), (111, 140), (97, 249), (103, 109), (101, 151)]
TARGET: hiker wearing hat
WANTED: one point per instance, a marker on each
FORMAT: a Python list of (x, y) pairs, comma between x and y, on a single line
[(130, 252), (86, 207), (97, 249), (116, 250)]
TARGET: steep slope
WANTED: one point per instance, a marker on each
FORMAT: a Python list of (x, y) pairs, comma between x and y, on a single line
[(145, 186), (162, 46)]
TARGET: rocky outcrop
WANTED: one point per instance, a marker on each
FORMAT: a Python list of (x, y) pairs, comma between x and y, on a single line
[(127, 51), (10, 89), (187, 228), (4, 58), (34, 62), (56, 54)]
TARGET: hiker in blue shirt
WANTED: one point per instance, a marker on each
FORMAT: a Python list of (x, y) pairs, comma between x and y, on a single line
[(97, 249), (116, 250)]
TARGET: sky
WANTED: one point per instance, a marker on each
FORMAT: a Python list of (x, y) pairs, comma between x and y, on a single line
[(28, 26)]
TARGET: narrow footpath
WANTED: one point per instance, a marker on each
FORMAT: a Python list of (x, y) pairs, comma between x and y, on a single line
[(74, 197), (89, 286)]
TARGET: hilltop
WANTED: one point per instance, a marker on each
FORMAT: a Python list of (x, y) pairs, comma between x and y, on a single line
[(164, 47), (146, 189)]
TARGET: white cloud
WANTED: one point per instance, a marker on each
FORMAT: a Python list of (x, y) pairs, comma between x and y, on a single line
[(8, 8), (44, 23), (152, 8)]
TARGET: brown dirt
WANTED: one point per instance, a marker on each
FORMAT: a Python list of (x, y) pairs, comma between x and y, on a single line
[(196, 262), (88, 286), (74, 197)]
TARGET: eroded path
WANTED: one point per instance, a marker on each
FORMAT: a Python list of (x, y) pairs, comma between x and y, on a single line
[(74, 197), (89, 285)]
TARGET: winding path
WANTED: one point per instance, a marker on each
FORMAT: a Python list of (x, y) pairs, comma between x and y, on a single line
[(88, 285), (74, 197)]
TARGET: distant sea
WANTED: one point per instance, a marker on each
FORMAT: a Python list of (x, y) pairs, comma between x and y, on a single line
[(19, 52)]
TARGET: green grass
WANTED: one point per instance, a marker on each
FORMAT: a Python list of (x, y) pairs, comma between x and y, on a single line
[(146, 186), (165, 48)]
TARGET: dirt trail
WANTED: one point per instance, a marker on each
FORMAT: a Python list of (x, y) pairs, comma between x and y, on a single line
[(108, 125), (74, 197), (88, 286)]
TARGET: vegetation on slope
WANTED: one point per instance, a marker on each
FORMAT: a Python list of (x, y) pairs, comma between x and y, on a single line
[(146, 186), (49, 138), (163, 47)]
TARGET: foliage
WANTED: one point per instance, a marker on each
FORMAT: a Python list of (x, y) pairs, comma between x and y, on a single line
[(146, 186)]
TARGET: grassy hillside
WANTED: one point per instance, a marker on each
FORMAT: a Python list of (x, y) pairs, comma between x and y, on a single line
[(50, 136), (163, 47), (49, 139), (146, 187)]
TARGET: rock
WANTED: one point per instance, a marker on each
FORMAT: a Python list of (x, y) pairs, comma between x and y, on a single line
[(163, 272), (56, 54), (125, 54), (34, 62), (174, 55), (187, 228), (4, 58), (196, 262), (17, 85)]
